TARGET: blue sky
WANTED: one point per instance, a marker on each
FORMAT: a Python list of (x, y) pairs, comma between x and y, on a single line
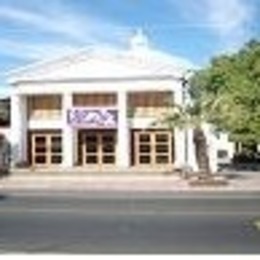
[(33, 30)]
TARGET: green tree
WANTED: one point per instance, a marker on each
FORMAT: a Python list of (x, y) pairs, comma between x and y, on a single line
[(192, 116), (234, 81), (225, 94)]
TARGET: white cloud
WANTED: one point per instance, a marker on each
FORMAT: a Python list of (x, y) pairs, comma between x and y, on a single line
[(59, 21), (228, 20), (33, 51), (60, 31), (42, 21), (227, 16)]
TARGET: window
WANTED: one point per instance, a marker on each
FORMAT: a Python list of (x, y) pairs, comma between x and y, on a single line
[(94, 100), (221, 154), (150, 103), (45, 106)]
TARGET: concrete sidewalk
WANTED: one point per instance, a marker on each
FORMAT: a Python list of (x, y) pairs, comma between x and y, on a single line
[(130, 182)]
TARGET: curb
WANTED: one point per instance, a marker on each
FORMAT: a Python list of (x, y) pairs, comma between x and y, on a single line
[(124, 194), (120, 183)]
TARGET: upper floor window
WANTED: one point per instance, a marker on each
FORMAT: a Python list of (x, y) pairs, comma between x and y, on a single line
[(44, 106), (150, 103), (95, 99)]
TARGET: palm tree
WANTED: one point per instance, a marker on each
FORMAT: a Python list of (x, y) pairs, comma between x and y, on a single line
[(191, 116), (204, 109)]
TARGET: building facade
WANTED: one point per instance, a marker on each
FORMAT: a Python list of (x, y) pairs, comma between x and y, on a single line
[(95, 109)]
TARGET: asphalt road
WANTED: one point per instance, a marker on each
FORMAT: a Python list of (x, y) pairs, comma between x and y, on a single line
[(128, 223)]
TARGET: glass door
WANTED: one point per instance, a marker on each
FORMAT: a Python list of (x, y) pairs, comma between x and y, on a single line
[(153, 148), (107, 148), (46, 149), (162, 148), (144, 148), (55, 143), (90, 148), (39, 149), (98, 148)]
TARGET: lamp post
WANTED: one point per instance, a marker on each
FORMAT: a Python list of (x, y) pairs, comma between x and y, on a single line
[(184, 83), (186, 155)]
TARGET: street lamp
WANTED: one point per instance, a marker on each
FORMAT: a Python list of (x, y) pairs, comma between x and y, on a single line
[(184, 83)]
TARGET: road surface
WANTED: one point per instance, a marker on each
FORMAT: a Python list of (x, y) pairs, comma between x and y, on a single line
[(110, 223)]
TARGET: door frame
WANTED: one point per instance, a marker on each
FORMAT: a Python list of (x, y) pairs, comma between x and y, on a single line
[(152, 143), (49, 153), (82, 147)]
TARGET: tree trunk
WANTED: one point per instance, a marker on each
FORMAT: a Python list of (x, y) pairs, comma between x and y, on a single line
[(201, 152)]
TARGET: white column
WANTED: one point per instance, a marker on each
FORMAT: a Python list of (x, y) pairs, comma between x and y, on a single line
[(179, 148), (67, 132), (212, 148), (18, 129), (179, 134), (192, 162), (123, 142), (184, 145)]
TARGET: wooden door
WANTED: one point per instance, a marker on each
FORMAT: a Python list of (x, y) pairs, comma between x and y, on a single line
[(98, 148), (46, 149), (153, 148)]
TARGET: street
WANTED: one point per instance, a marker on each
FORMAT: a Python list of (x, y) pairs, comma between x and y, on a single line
[(107, 223)]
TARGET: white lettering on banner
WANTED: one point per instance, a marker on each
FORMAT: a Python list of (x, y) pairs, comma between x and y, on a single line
[(92, 118)]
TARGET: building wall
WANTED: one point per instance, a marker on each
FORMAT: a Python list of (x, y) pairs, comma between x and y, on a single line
[(46, 111), (29, 111)]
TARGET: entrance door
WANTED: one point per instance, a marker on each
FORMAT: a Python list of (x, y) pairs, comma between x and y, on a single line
[(98, 148), (46, 149), (153, 148)]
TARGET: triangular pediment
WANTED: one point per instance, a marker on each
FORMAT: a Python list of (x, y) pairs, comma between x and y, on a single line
[(95, 65)]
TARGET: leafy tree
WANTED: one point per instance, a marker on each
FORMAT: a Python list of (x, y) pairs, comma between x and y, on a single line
[(233, 80), (225, 94), (192, 115)]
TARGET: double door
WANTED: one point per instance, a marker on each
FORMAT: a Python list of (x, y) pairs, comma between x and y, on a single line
[(98, 148), (46, 148), (153, 148)]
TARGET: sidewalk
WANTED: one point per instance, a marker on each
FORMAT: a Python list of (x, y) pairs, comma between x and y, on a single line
[(130, 182)]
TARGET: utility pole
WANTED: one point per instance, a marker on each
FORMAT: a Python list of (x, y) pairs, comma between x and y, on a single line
[(185, 83), (186, 155)]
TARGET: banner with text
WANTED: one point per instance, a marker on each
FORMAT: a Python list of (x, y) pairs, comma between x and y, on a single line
[(92, 117)]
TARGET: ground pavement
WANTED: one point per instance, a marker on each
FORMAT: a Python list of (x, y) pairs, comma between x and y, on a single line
[(121, 181)]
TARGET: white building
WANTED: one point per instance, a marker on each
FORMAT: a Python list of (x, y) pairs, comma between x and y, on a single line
[(94, 109)]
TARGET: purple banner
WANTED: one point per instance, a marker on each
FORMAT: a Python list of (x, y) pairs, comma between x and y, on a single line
[(92, 117)]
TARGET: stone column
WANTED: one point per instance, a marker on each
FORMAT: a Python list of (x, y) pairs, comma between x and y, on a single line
[(67, 132), (18, 129), (123, 141)]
